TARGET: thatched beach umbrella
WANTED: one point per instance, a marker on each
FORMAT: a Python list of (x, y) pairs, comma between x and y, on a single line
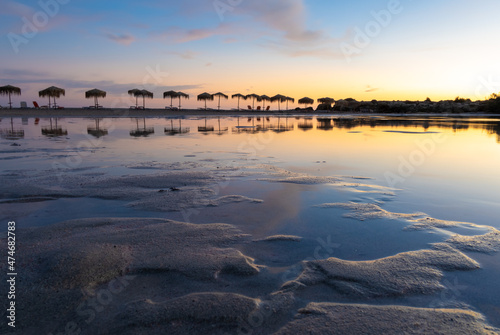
[(239, 96), (288, 99), (95, 93), (204, 97), (144, 94), (264, 98), (306, 101), (220, 95), (171, 95), (280, 98), (328, 101), (52, 92), (254, 97), (133, 92), (10, 90), (182, 95)]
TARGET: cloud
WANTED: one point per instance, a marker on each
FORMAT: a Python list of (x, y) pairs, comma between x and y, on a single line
[(180, 35), (124, 39), (19, 77), (285, 16), (370, 89), (188, 54)]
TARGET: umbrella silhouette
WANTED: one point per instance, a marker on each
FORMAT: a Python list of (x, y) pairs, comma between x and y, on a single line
[(52, 92), (95, 93), (182, 95), (280, 98), (133, 92), (10, 90), (205, 97), (265, 98), (306, 101), (144, 94), (171, 95), (289, 99), (327, 101), (254, 97), (220, 95), (239, 96)]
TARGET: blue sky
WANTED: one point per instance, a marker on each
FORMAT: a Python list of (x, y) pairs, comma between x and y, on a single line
[(409, 49)]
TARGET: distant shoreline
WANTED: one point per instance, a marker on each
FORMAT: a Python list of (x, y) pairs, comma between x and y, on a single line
[(121, 112)]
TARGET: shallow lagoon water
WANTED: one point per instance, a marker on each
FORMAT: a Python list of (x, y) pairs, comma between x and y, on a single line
[(282, 169)]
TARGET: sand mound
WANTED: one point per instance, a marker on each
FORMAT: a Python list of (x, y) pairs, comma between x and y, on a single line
[(281, 238), (362, 211), (487, 243), (431, 223), (326, 318), (201, 313), (409, 273), (62, 261)]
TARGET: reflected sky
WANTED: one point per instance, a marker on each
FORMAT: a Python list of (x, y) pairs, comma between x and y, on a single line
[(446, 167)]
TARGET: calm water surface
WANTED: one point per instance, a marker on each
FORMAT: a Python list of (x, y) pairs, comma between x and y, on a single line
[(447, 168)]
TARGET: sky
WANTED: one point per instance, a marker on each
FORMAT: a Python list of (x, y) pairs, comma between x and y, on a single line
[(366, 49)]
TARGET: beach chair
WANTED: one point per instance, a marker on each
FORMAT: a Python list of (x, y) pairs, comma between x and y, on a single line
[(35, 104), (268, 108), (249, 107), (24, 104), (258, 108)]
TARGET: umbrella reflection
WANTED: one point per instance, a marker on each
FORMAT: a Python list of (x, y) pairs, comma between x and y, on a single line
[(54, 130), (12, 133), (97, 131), (282, 126), (172, 130), (142, 131), (206, 128), (306, 124), (325, 124)]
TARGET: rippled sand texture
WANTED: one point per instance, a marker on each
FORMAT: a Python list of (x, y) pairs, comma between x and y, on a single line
[(159, 276)]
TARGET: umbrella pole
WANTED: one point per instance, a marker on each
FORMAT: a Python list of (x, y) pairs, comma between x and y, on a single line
[(10, 102)]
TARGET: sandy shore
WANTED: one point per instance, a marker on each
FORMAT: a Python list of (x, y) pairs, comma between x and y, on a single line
[(122, 112)]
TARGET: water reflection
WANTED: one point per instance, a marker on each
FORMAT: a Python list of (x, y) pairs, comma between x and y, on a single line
[(54, 130), (97, 131), (172, 130), (141, 129), (11, 133), (205, 129)]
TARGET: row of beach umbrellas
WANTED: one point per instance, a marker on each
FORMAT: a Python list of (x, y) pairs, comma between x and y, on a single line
[(56, 92)]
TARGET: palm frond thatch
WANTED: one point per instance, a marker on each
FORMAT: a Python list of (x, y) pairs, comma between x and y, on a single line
[(206, 97), (95, 93), (306, 101), (221, 95), (10, 90), (170, 94), (326, 100), (52, 92), (239, 96)]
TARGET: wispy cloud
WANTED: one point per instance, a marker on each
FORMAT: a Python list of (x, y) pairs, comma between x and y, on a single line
[(19, 77), (188, 54), (124, 39), (370, 89)]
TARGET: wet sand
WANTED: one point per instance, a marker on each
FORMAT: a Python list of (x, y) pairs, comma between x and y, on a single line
[(158, 276)]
